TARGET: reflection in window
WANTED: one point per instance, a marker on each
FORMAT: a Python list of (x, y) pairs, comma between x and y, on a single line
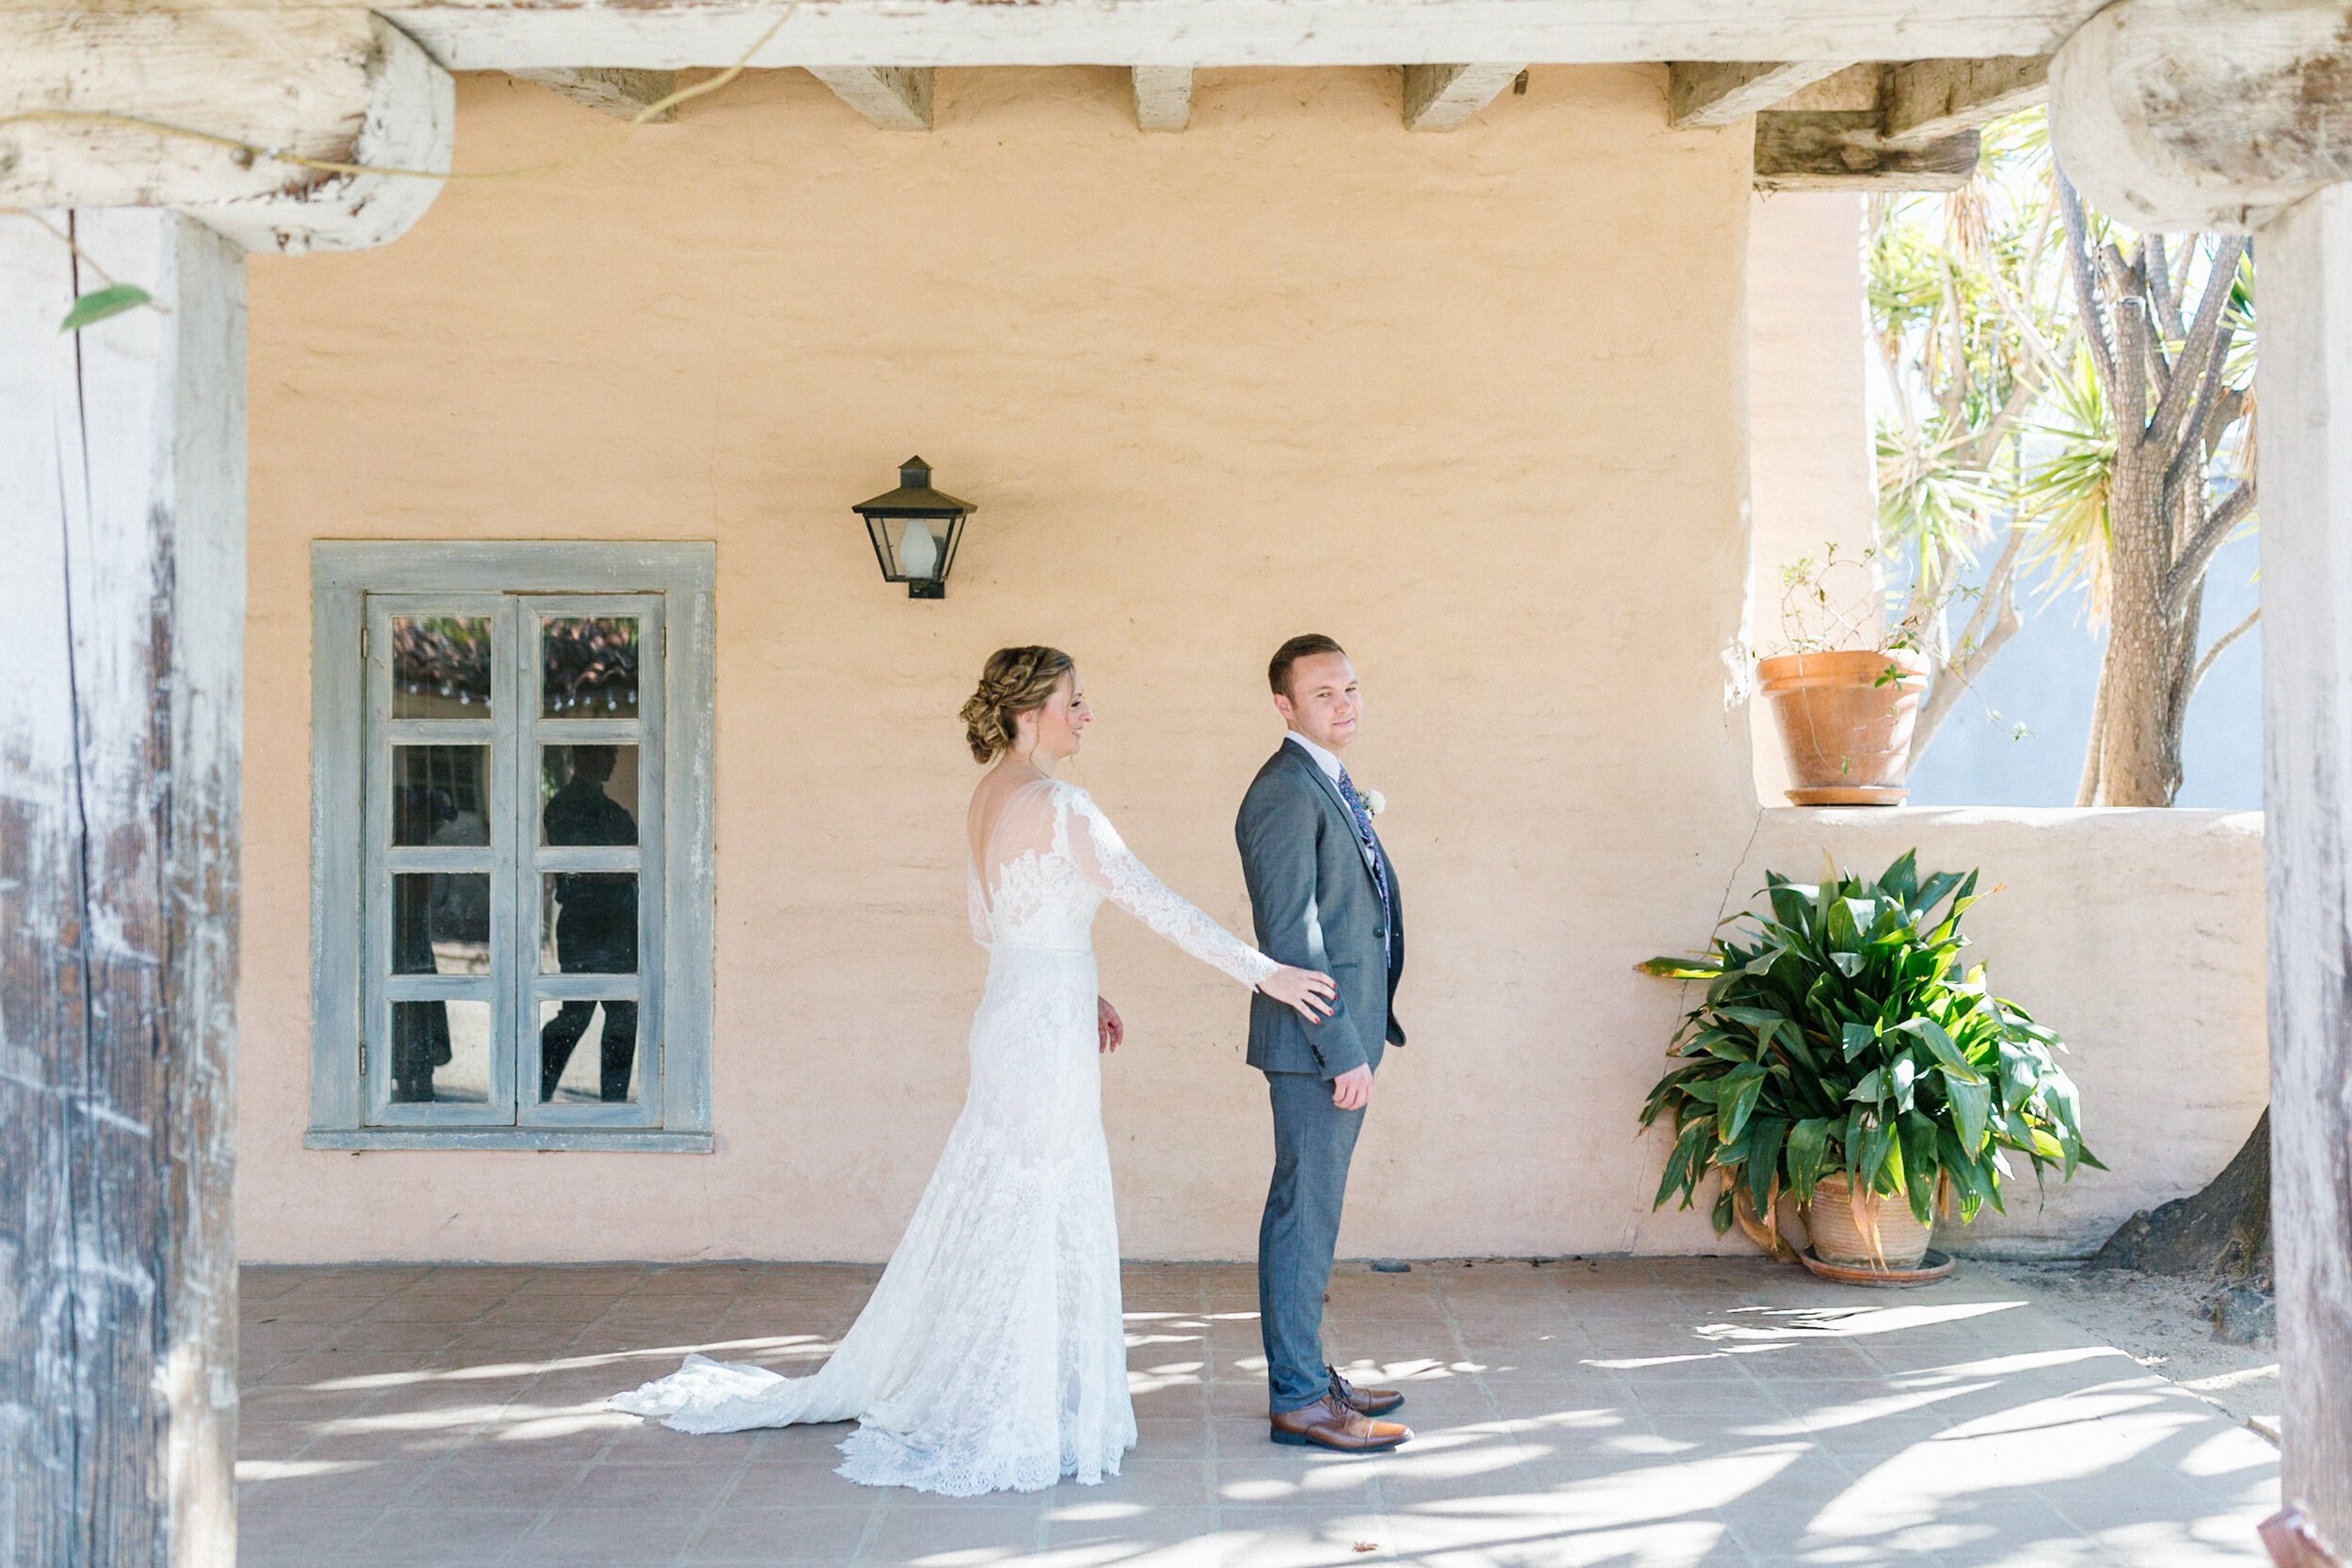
[(441, 923), (440, 795), (565, 1069), (588, 794), (441, 1052), (590, 918), (440, 667), (588, 667)]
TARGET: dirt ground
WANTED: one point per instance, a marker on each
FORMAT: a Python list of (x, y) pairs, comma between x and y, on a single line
[(2163, 1323)]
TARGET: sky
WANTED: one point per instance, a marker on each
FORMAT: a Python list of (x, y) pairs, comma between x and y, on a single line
[(2045, 677)]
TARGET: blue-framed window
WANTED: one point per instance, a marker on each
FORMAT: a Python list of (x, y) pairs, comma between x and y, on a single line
[(511, 865)]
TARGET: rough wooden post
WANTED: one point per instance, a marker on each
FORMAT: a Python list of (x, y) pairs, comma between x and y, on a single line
[(2306, 389), (122, 528)]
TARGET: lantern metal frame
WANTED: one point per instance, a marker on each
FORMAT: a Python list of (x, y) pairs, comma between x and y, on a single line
[(914, 500)]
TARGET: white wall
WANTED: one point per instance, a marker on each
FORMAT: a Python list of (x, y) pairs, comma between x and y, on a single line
[(1809, 477)]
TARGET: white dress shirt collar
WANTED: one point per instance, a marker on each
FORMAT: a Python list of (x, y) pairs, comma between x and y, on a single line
[(1324, 757)]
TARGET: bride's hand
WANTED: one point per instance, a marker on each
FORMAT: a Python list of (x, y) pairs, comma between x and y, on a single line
[(1107, 1026), (1306, 991)]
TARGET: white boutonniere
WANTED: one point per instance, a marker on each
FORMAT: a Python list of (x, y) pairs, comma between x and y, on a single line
[(1374, 801)]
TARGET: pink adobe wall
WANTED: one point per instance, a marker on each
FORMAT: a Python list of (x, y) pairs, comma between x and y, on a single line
[(1473, 403)]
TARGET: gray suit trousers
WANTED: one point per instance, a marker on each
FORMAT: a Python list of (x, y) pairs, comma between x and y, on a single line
[(1313, 1142)]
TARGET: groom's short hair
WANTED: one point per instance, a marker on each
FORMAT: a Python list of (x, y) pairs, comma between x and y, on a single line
[(1277, 671)]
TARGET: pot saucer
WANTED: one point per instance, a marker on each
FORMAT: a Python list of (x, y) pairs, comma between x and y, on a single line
[(1934, 1266)]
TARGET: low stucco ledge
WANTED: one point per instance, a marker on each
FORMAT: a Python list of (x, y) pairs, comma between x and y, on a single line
[(2136, 933)]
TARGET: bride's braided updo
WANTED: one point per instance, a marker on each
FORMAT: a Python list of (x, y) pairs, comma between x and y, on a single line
[(1014, 681)]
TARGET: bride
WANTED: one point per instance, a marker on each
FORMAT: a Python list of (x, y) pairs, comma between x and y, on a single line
[(991, 1354)]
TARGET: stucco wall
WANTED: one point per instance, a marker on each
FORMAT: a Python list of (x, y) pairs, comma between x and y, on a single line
[(2137, 936), (1809, 479), (1473, 403)]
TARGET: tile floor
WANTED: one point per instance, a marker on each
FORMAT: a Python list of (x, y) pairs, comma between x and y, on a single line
[(1723, 1413)]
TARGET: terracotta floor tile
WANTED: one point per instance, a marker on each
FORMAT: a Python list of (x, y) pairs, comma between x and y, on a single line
[(1696, 1413)]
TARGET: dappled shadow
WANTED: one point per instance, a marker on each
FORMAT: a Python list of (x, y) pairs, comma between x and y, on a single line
[(1700, 1414)]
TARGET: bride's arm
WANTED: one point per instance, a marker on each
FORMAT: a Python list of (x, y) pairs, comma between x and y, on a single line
[(1103, 859)]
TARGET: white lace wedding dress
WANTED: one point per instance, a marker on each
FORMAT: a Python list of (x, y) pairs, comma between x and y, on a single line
[(991, 1354)]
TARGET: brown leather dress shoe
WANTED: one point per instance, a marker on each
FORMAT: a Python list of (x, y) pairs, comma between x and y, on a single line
[(1364, 1401), (1329, 1424)]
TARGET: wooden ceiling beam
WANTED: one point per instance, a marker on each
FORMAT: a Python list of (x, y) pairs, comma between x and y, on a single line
[(895, 98), (624, 94), (1835, 150), (2178, 115), (1926, 101), (1706, 93), (501, 35), (1163, 97), (1444, 97), (289, 90)]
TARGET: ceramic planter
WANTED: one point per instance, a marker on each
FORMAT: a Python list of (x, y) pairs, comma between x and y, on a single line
[(1875, 1233), (1843, 725)]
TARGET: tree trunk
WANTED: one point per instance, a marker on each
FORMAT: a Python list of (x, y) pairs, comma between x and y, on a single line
[(2221, 1233), (2137, 675)]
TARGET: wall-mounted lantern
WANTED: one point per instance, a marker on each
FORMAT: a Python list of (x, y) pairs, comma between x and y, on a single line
[(915, 530)]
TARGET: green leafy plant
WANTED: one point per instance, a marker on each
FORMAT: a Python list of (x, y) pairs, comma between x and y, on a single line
[(1838, 1034)]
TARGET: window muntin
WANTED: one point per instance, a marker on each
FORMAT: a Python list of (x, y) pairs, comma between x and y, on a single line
[(513, 761)]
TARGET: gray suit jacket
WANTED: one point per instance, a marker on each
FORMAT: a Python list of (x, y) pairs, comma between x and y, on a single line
[(1317, 907)]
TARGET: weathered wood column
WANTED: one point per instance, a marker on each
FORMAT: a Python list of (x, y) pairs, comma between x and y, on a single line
[(2223, 114), (122, 469), (122, 461), (2306, 373)]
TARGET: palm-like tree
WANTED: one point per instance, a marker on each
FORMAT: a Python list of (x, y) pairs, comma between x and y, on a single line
[(1973, 323), (2051, 373), (2152, 472)]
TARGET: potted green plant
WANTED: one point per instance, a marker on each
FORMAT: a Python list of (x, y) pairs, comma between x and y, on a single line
[(1842, 1058), (1845, 693)]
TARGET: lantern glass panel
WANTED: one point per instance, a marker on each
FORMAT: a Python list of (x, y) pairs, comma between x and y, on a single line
[(921, 543)]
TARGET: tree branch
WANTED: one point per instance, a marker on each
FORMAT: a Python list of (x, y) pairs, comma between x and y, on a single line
[(2198, 362), (1985, 442), (2160, 288), (1955, 396), (2052, 359), (2209, 390), (2183, 575), (1977, 643), (2129, 406), (2177, 691), (2197, 677), (2087, 790), (2078, 263), (2136, 280)]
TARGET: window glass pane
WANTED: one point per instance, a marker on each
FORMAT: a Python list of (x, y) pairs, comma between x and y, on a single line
[(588, 794), (441, 1052), (441, 923), (590, 921), (440, 667), (587, 1053), (588, 667), (440, 795)]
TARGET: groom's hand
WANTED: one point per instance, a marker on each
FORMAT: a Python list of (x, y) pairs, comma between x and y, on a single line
[(1352, 1090)]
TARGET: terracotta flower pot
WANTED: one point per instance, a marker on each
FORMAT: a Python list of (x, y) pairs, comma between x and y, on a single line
[(1875, 1233), (1846, 733)]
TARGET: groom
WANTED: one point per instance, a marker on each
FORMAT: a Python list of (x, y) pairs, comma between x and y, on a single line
[(1324, 898)]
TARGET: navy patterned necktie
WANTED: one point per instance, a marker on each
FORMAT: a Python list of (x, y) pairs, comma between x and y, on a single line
[(1363, 836)]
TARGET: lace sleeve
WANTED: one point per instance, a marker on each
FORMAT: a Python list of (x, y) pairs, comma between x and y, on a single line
[(1103, 860), (976, 905)]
